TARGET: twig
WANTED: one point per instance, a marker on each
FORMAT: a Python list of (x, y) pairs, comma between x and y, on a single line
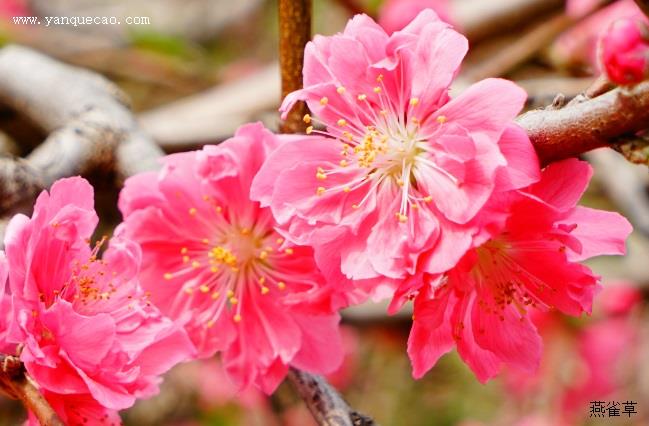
[(294, 33), (526, 46), (592, 123), (326, 405), (479, 20), (643, 5), (15, 383)]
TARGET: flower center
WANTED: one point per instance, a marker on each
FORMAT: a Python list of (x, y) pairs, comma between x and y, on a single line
[(218, 271), (392, 148)]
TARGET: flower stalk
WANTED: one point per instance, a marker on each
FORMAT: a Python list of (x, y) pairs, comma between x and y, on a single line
[(15, 383)]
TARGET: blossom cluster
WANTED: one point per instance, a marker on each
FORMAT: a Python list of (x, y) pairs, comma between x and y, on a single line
[(250, 248)]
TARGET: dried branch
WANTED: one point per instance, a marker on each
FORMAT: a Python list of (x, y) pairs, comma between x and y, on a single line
[(326, 405), (87, 117), (294, 33), (15, 383), (581, 126), (480, 20)]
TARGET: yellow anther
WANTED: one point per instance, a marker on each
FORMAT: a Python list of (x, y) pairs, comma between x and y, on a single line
[(383, 112), (205, 241), (340, 90), (192, 211), (214, 269), (237, 318), (204, 289), (400, 182), (168, 276), (230, 293), (206, 197), (210, 324), (265, 290), (261, 280), (195, 264), (189, 290), (414, 101), (245, 231), (219, 209), (347, 189), (279, 240), (414, 206), (377, 89), (342, 122), (306, 118), (263, 255), (379, 78), (402, 217), (355, 206), (415, 120), (233, 300), (343, 163), (281, 285), (184, 250), (185, 259), (288, 251), (215, 295), (320, 190), (441, 119), (362, 97), (428, 198), (324, 101), (309, 130)]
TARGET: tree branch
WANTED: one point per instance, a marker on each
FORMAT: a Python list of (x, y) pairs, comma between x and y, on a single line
[(591, 123), (87, 116), (644, 6), (326, 405), (294, 33), (15, 383)]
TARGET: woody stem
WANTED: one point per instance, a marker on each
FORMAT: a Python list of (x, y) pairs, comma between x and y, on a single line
[(15, 383), (294, 33)]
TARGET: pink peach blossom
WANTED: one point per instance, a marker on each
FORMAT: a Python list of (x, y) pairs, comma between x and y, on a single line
[(396, 14), (624, 51), (86, 331), (392, 188), (481, 305), (216, 260)]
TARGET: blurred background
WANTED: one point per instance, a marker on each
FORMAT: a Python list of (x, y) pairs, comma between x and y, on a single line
[(197, 69)]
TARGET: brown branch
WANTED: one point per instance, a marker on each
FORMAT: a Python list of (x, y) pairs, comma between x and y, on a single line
[(592, 123), (294, 33), (479, 20), (643, 5), (526, 45), (326, 405), (15, 383)]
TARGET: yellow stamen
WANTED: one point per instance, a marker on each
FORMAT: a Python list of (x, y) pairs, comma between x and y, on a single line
[(324, 101), (306, 118)]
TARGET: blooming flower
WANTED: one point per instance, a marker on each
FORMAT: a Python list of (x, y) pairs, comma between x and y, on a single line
[(213, 258), (88, 336), (392, 187), (481, 305), (396, 14), (624, 51)]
